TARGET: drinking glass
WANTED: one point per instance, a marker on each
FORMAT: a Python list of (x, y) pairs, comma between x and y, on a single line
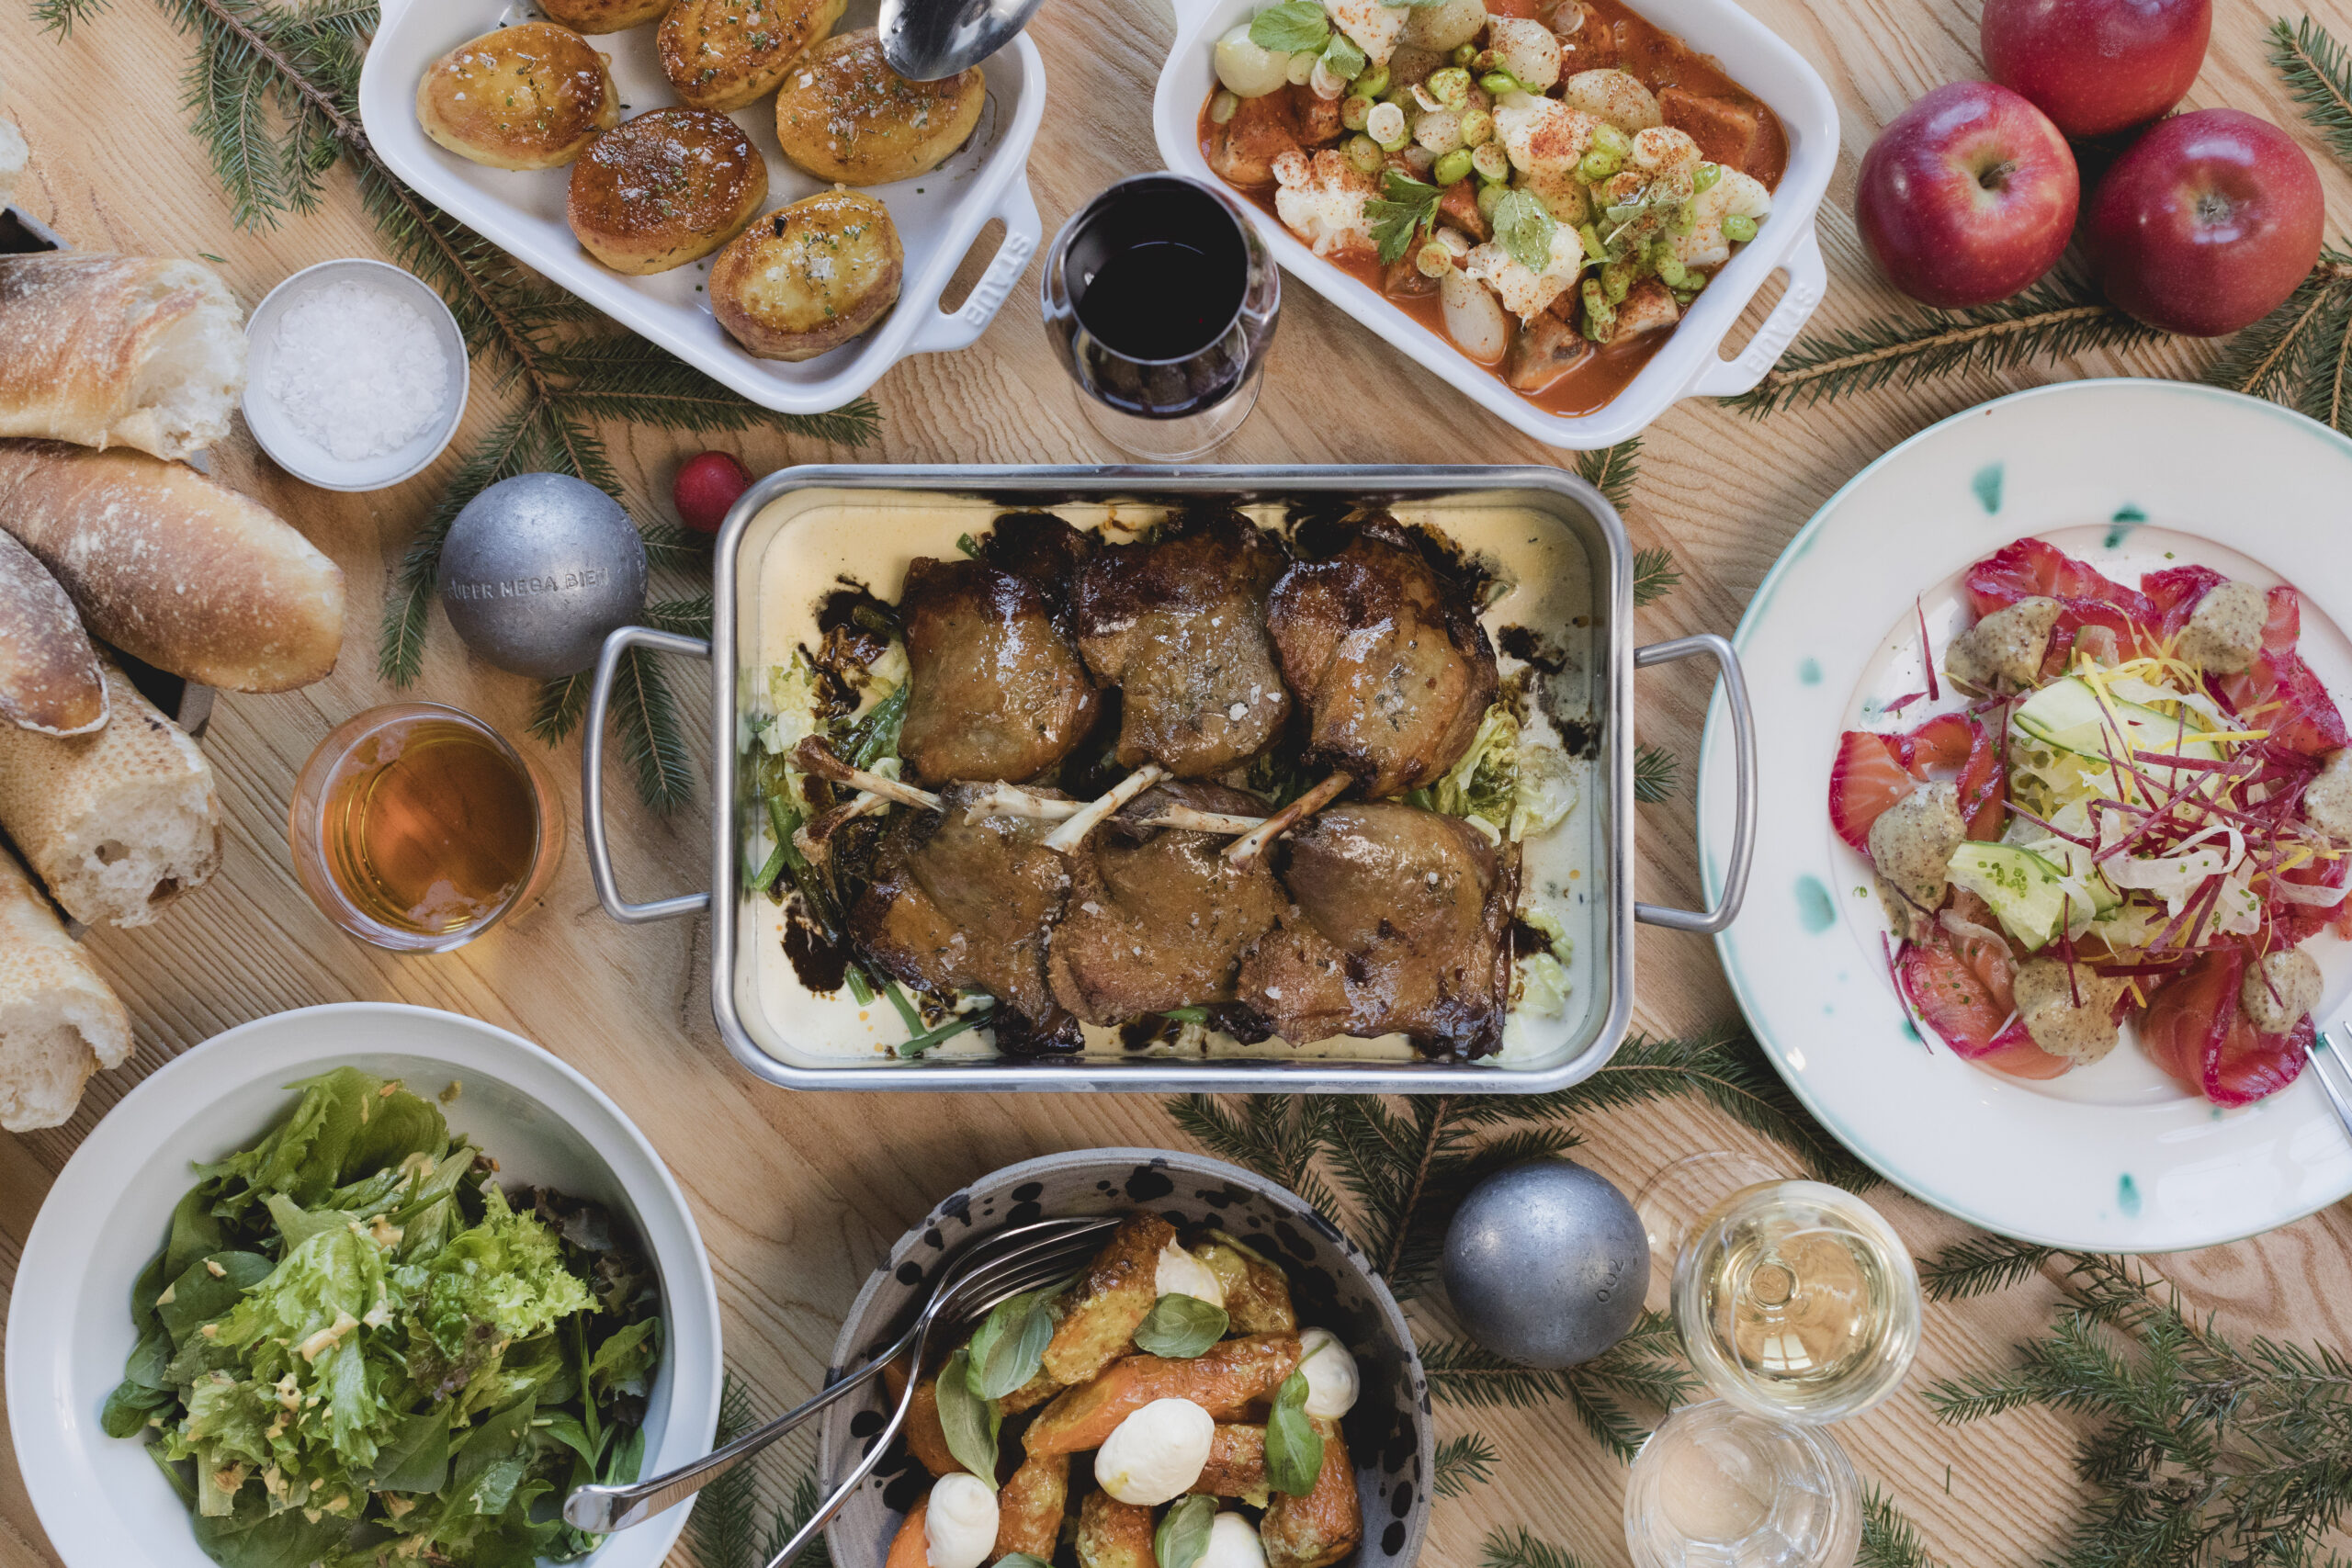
[(1160, 300), (1717, 1486)]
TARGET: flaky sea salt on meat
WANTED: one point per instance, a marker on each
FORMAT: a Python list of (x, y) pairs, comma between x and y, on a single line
[(358, 370)]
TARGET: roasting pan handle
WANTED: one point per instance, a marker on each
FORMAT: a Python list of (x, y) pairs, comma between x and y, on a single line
[(1743, 734), (591, 776)]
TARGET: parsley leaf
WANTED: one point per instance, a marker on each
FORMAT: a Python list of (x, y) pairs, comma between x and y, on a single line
[(1291, 27), (1408, 205), (1525, 227)]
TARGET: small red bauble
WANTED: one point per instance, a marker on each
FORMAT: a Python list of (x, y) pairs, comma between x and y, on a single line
[(707, 488)]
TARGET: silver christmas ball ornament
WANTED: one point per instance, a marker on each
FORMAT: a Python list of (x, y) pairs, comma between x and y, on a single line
[(1546, 1263), (537, 570)]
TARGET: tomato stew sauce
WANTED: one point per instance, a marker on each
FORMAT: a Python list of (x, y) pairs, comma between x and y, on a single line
[(1659, 59)]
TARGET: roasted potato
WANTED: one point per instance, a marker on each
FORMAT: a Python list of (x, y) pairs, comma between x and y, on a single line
[(722, 54), (810, 276), (530, 96), (843, 113), (1319, 1528), (1029, 1395), (1236, 1465), (1111, 1534), (604, 16), (1029, 1509), (1222, 1381), (909, 1548), (1257, 1294), (1100, 1315), (664, 189)]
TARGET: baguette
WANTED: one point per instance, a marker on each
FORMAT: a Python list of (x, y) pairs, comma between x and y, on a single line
[(175, 570), (58, 1021), (107, 350), (119, 823), (49, 672)]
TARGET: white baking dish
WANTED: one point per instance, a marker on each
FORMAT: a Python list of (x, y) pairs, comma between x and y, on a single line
[(1690, 364), (938, 214)]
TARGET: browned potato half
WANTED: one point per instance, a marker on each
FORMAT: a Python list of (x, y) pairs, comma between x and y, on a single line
[(1100, 1314), (1319, 1528), (1029, 1510), (1236, 1465), (810, 276), (1029, 1395), (1257, 1295), (843, 113), (722, 54), (664, 189), (1112, 1534), (604, 16), (528, 97)]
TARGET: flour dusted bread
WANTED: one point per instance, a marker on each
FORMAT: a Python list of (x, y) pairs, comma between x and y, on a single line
[(118, 351), (49, 672), (13, 156), (119, 823), (58, 1021), (176, 570)]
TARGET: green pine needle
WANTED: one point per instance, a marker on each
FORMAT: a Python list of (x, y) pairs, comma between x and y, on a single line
[(1979, 1266), (1889, 1541), (2318, 75), (1656, 575), (653, 746), (680, 617), (1463, 1462), (1658, 773), (60, 15), (1279, 1136), (556, 712), (1518, 1549), (670, 548), (1641, 1372), (1611, 471), (724, 1529)]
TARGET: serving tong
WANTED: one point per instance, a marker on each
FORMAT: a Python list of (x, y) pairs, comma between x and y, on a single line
[(989, 1272), (2330, 1059)]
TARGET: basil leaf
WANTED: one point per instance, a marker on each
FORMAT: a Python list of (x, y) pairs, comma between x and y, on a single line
[(1344, 57), (1183, 1536), (1293, 1448), (1291, 27), (1181, 1328), (1011, 1345), (969, 1421), (1525, 227)]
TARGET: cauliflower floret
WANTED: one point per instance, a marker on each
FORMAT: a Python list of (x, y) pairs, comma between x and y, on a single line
[(1704, 245), (1374, 27), (1530, 49), (1525, 293), (1543, 135), (1614, 96), (1662, 150), (1321, 201)]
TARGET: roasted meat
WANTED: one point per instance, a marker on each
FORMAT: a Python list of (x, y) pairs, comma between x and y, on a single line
[(1398, 924), (1388, 656), (1159, 918), (960, 903), (1180, 626)]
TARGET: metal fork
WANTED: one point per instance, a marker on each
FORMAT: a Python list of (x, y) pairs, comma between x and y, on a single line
[(993, 1270), (2334, 1070)]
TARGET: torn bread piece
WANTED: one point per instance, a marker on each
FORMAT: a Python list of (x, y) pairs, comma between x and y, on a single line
[(58, 1021)]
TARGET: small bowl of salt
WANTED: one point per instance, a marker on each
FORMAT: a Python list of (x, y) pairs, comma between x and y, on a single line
[(356, 375)]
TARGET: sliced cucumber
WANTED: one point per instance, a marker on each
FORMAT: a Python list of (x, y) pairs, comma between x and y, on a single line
[(2067, 715), (2026, 892)]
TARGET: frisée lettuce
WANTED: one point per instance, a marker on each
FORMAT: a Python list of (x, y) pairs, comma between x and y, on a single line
[(356, 1349)]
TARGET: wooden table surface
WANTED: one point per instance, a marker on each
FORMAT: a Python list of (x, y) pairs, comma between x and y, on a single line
[(794, 1204)]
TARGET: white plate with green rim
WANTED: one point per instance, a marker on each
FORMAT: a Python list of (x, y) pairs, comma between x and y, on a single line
[(2131, 476)]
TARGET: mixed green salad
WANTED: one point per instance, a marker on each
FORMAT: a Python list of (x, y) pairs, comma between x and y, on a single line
[(355, 1349)]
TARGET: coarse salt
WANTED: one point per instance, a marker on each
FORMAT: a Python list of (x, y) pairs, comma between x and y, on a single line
[(358, 370)]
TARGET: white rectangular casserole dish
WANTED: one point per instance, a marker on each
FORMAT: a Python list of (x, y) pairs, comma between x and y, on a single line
[(938, 214), (1690, 363)]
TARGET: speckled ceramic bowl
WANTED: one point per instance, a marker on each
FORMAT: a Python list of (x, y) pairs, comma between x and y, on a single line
[(1388, 1432)]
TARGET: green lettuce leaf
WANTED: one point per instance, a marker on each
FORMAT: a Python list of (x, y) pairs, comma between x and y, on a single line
[(348, 1125)]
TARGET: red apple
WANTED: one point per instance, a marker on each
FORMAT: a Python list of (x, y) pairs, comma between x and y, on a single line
[(2207, 224), (705, 488), (2096, 67), (1967, 195)]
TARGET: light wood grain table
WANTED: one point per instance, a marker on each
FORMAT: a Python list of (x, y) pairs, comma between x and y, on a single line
[(799, 1195)]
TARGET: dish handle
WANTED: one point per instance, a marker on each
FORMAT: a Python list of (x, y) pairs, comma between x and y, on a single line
[(1190, 17), (1808, 279), (1743, 732), (591, 776), (961, 327)]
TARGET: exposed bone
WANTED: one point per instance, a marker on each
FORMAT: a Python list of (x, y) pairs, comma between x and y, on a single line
[(1073, 833), (814, 756), (1009, 800), (813, 838), (1250, 845)]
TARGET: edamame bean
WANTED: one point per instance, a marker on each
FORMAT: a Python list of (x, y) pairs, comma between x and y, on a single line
[(1739, 228)]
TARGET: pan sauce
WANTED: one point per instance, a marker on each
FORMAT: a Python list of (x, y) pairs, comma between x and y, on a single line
[(1551, 612)]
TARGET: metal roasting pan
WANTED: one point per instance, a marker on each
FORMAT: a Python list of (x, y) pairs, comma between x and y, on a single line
[(774, 1044)]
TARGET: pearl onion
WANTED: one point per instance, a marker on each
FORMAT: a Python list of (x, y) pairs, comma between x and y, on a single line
[(1155, 1454), (959, 1522), (1331, 1381), (1182, 1274), (1233, 1544)]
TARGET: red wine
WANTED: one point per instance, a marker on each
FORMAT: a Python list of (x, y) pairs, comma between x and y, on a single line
[(1158, 299)]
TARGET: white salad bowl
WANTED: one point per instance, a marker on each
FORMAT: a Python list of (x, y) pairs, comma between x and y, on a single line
[(101, 1500), (2129, 476), (1690, 364)]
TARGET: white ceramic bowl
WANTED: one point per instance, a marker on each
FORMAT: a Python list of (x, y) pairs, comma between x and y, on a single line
[(299, 455), (1690, 364), (101, 1500), (2131, 476)]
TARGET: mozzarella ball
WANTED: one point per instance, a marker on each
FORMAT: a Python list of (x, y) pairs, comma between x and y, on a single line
[(1233, 1544), (1330, 1374), (1153, 1455), (1182, 1274), (959, 1524)]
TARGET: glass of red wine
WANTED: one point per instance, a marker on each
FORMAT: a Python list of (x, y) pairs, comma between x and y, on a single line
[(1160, 300)]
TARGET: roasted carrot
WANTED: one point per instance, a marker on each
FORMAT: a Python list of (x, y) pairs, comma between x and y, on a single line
[(1223, 1382), (1111, 1534), (926, 1439), (1319, 1528), (908, 1548), (1100, 1314), (1029, 1509)]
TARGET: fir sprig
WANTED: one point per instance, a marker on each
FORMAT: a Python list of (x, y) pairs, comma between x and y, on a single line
[(1518, 1548), (2318, 75), (1658, 773), (724, 1528), (1463, 1462), (1279, 1136), (1656, 575), (1612, 470), (1889, 1541), (1979, 1266), (1610, 1394)]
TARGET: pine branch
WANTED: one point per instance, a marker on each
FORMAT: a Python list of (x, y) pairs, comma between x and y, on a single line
[(1279, 1136), (1598, 1391), (680, 617), (652, 745), (1656, 575), (723, 1529), (1611, 471), (1518, 1549), (1889, 1541), (1463, 1462), (515, 444), (60, 15), (2272, 358), (2318, 77), (1979, 1266), (1658, 773), (680, 550)]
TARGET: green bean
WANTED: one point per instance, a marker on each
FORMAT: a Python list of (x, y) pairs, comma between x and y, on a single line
[(1598, 165), (1449, 88), (1600, 315), (1739, 228), (1491, 162), (860, 988), (1364, 155), (1490, 197), (1477, 128), (1593, 249), (1673, 273), (1453, 166), (1354, 111), (1609, 139), (1500, 82), (948, 1031), (1463, 54), (1616, 277), (1705, 176), (1372, 83)]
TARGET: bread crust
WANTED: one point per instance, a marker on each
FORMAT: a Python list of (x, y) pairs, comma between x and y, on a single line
[(722, 54), (14, 154), (77, 333), (58, 1019), (530, 96), (666, 188), (49, 672), (604, 16), (175, 570), (843, 113), (809, 277)]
